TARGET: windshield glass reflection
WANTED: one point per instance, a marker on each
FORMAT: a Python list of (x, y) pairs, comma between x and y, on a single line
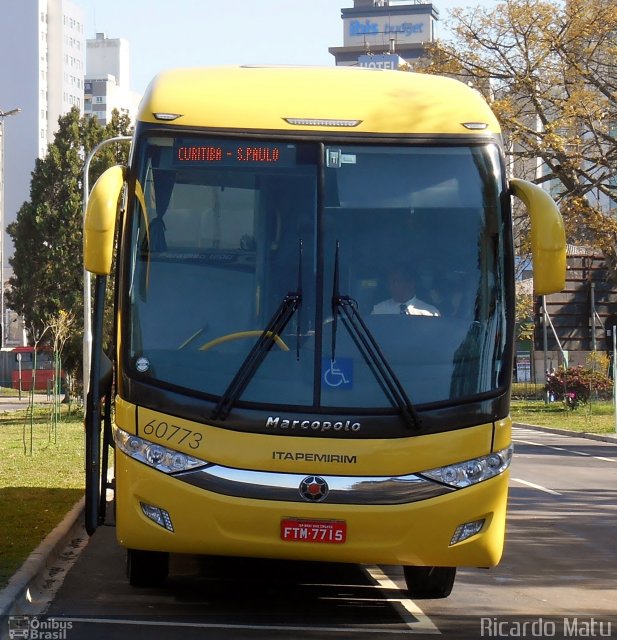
[(216, 231)]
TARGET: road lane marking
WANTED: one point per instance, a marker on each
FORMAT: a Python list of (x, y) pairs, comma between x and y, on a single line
[(250, 627), (539, 487), (415, 620), (413, 616), (573, 451)]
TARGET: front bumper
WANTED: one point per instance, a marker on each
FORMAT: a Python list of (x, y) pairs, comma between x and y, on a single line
[(207, 520)]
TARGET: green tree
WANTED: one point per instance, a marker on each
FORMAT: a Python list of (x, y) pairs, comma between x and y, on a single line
[(549, 69), (47, 233), (524, 313)]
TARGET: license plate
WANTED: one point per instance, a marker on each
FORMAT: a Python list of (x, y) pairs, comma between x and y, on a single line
[(325, 531)]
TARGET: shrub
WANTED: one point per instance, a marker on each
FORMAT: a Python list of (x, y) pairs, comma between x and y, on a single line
[(575, 385), (527, 391)]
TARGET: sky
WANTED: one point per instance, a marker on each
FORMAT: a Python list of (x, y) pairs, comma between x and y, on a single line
[(172, 33)]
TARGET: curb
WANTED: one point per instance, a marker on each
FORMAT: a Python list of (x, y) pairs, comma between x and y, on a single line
[(601, 437), (19, 596)]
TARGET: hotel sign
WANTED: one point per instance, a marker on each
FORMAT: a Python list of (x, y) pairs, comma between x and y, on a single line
[(387, 61), (411, 29)]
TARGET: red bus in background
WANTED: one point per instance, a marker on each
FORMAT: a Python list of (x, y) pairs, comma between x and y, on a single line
[(44, 368)]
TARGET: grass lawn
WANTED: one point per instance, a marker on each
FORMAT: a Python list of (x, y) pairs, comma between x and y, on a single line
[(38, 487), (594, 417)]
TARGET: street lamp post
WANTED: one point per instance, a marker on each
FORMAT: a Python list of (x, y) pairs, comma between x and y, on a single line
[(3, 115)]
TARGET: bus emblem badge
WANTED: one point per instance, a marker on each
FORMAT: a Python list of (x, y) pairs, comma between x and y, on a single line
[(142, 364), (314, 489)]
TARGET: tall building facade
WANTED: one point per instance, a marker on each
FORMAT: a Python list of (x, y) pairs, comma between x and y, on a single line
[(107, 85), (42, 49)]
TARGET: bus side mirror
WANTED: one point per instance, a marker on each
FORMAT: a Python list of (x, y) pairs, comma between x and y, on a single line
[(100, 221), (548, 237)]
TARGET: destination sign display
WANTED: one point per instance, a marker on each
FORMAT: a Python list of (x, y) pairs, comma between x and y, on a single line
[(228, 153)]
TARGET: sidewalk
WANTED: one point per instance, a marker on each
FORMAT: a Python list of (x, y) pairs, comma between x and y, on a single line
[(13, 403), (26, 591)]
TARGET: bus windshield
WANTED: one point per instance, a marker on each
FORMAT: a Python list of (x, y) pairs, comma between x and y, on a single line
[(407, 238)]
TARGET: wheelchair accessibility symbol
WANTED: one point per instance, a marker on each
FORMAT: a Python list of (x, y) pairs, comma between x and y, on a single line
[(337, 374)]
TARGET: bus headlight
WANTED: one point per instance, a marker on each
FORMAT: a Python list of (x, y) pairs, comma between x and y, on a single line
[(464, 474), (155, 455)]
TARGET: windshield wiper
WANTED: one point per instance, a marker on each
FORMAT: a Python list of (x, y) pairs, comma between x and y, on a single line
[(377, 362), (259, 351)]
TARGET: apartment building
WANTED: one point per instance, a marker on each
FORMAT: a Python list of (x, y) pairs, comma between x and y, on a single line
[(107, 84)]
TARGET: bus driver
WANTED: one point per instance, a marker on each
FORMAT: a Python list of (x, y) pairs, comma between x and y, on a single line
[(402, 286)]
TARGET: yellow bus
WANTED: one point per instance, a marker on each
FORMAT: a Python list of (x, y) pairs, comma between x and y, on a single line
[(314, 314)]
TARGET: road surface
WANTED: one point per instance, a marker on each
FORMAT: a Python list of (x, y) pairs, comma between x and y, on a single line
[(557, 576)]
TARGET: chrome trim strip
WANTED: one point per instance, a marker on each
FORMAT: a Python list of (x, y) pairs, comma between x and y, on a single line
[(264, 485)]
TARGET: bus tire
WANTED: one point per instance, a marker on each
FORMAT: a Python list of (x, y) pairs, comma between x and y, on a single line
[(424, 583), (146, 568)]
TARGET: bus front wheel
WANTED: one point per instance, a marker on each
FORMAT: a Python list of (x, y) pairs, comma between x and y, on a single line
[(425, 583), (146, 568)]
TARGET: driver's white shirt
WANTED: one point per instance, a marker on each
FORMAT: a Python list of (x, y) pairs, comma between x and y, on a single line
[(414, 307)]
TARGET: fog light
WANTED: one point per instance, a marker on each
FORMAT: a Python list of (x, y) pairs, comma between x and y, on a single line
[(158, 515), (464, 531)]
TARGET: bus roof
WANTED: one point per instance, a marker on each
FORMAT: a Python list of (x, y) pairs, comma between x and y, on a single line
[(263, 98)]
